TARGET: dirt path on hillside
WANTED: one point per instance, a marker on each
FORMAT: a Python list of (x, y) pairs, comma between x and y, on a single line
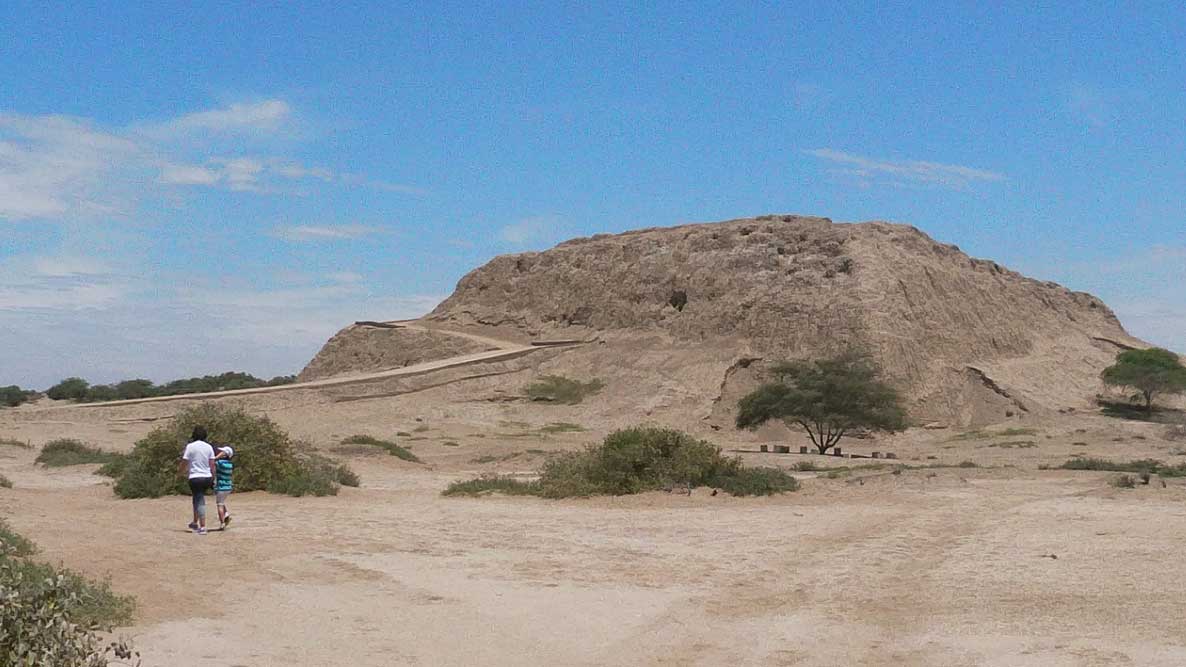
[(905, 569), (504, 350)]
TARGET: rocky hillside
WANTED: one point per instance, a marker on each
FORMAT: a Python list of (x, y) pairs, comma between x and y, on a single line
[(968, 341), (374, 346)]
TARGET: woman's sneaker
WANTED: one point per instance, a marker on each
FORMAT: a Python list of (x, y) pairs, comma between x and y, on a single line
[(227, 521), (200, 531), (192, 525)]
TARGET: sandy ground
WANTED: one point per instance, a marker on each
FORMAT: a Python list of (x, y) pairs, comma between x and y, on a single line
[(1009, 566), (1004, 564)]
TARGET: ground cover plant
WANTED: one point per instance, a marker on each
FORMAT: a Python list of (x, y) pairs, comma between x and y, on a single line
[(51, 616), (635, 460), (266, 458), (386, 445), (70, 452), (1150, 466), (559, 389), (5, 483), (12, 442)]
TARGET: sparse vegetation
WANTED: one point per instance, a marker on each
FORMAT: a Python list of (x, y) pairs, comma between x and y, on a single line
[(12, 396), (69, 452), (1152, 373), (828, 398), (636, 460), (1151, 466), (1122, 481), (5, 483), (562, 427), (12, 442), (13, 544), (559, 389), (489, 483), (78, 389), (386, 445), (1175, 433), (1020, 444), (51, 616), (266, 457)]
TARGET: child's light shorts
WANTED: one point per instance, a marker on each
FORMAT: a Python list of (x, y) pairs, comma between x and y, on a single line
[(220, 497)]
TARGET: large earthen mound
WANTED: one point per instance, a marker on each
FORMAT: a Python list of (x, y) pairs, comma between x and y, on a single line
[(967, 340)]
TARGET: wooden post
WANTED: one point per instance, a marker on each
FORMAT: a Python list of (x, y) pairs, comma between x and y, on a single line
[(782, 449), (836, 452), (803, 449), (765, 448), (891, 455), (876, 455)]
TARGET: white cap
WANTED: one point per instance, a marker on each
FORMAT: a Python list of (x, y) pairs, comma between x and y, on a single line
[(229, 452)]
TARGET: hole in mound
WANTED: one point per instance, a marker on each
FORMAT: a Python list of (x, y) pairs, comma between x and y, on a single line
[(678, 299)]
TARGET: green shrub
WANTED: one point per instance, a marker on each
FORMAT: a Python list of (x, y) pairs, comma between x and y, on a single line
[(265, 457), (1151, 466), (13, 543), (492, 484), (634, 460), (390, 447), (5, 483), (559, 389), (315, 476), (49, 616), (69, 452), (116, 467), (70, 389), (12, 395), (757, 482), (805, 466)]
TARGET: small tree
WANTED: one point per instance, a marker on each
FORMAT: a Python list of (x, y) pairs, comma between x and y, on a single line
[(828, 398), (1151, 372), (73, 389)]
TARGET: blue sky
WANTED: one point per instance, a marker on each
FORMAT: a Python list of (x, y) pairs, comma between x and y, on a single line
[(188, 188)]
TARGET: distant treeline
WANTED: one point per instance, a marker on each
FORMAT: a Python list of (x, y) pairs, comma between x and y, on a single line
[(78, 389), (13, 395)]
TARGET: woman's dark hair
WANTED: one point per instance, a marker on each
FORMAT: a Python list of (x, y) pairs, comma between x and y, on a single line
[(199, 433)]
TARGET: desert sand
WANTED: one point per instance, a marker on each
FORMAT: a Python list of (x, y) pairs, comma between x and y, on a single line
[(947, 566)]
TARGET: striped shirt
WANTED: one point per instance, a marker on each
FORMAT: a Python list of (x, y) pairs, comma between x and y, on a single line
[(224, 469)]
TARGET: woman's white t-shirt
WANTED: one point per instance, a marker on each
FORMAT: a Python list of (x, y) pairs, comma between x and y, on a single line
[(199, 453)]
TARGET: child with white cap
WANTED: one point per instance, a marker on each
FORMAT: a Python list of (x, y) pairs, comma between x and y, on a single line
[(224, 469)]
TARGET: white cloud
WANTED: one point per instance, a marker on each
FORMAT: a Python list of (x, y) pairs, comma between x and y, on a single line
[(265, 116), (184, 174), (906, 171), (68, 266), (66, 169), (297, 171), (300, 233), (57, 166), (530, 231)]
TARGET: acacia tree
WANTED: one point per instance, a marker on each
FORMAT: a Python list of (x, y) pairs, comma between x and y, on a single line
[(1151, 372), (827, 397)]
